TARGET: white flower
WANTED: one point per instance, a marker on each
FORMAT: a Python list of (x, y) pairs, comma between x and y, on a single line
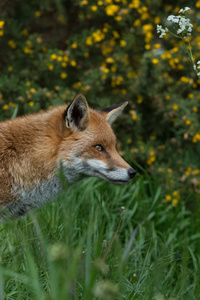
[(161, 30), (173, 19), (183, 23), (195, 67), (182, 10)]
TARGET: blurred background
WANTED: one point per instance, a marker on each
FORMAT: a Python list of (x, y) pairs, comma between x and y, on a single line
[(110, 51)]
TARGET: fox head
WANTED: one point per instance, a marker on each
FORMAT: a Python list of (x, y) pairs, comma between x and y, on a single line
[(89, 148)]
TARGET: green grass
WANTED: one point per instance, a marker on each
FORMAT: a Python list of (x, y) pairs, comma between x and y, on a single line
[(57, 252)]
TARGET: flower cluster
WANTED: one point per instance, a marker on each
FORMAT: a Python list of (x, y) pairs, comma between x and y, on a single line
[(161, 30), (184, 24)]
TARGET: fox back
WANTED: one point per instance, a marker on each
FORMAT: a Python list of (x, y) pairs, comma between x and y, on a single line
[(34, 147)]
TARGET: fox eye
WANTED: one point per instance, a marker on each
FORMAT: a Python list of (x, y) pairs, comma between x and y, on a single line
[(99, 148)]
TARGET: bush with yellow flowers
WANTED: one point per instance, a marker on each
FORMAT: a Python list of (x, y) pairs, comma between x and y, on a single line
[(110, 51)]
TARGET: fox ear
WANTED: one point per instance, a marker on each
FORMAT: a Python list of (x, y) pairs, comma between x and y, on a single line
[(114, 111), (77, 114)]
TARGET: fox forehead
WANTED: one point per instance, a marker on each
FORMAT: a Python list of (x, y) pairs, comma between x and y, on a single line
[(99, 124), (99, 130)]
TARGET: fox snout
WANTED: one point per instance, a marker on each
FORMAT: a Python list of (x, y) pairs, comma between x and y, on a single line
[(131, 173)]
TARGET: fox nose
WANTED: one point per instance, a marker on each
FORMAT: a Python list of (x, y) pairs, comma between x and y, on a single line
[(131, 173)]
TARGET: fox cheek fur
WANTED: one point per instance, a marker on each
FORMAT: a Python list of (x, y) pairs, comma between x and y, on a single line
[(33, 147)]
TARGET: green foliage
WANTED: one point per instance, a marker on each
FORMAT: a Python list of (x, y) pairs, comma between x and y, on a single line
[(57, 252)]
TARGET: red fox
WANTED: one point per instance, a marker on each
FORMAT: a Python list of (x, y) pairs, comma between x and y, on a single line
[(33, 147)]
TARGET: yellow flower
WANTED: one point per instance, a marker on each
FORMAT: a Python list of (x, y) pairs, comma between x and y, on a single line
[(188, 171), (174, 202), (73, 63), (195, 109), (53, 56), (77, 84), (5, 107), (100, 3), (64, 64), (105, 70), (50, 67), (112, 9), (44, 49), (10, 68), (31, 103), (175, 107), (147, 46), (12, 104), (25, 32), (157, 20), (115, 34), (29, 43), (124, 91), (32, 90), (168, 197), (134, 117), (196, 172), (57, 88), (155, 61), (151, 160), (84, 2), (110, 60), (1, 33), (198, 4), (66, 58), (122, 43), (113, 69), (185, 79), (147, 27), (187, 122), (94, 7), (74, 45), (139, 99), (137, 23), (89, 41), (134, 4), (28, 83), (167, 97), (27, 50), (2, 24), (59, 58), (176, 194), (12, 44), (196, 138), (98, 36), (39, 40), (118, 18), (63, 75), (157, 46), (37, 14), (152, 153)]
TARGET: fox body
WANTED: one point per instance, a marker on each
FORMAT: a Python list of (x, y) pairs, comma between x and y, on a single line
[(33, 147)]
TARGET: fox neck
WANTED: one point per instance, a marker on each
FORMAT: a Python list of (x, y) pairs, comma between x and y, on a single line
[(42, 192)]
